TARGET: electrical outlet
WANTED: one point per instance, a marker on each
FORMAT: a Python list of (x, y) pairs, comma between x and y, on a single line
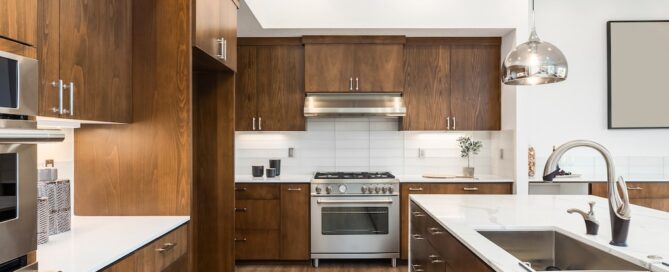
[(501, 153)]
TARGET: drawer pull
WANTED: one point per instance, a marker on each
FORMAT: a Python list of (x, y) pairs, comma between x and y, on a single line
[(241, 189), (295, 189), (166, 247), (635, 188), (436, 231), (418, 237), (416, 268), (435, 259), (470, 189), (240, 239), (240, 209), (418, 214), (416, 189)]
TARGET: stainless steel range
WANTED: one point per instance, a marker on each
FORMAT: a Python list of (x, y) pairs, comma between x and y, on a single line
[(355, 215)]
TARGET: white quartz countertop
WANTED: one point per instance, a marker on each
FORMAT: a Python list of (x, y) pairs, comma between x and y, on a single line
[(279, 179), (463, 215), (98, 241), (478, 178)]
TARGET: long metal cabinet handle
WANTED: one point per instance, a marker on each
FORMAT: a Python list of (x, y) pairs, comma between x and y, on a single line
[(225, 50), (259, 123), (71, 87), (294, 189), (357, 85), (166, 247), (415, 189), (350, 84), (58, 84), (221, 48), (637, 188), (384, 201), (254, 123), (470, 188), (416, 268), (448, 122), (453, 122)]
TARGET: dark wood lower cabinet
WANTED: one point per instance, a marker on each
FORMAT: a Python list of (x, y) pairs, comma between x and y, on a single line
[(434, 249), (408, 189), (272, 222), (654, 195)]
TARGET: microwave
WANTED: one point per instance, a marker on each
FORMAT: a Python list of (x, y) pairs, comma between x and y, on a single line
[(18, 84)]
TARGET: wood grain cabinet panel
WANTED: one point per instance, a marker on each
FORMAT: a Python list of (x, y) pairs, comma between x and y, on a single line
[(471, 188), (245, 191), (653, 195), (427, 87), (475, 87), (407, 189), (17, 48), (215, 30), (257, 245), (270, 89), (328, 67), (295, 222), (18, 21), (257, 214), (379, 68)]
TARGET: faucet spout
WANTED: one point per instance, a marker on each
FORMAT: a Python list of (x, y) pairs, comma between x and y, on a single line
[(619, 205)]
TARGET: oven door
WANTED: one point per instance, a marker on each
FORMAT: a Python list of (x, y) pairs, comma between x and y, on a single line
[(18, 200), (354, 225), (18, 84)]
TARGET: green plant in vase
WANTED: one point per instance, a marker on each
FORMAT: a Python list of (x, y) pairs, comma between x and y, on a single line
[(468, 148)]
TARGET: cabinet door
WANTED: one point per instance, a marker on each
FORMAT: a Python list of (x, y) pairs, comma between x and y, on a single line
[(48, 51), (95, 55), (407, 189), (471, 188), (257, 244), (475, 87), (328, 67), (295, 224), (280, 92), (427, 87), (207, 28), (229, 31), (18, 21), (379, 68), (246, 107)]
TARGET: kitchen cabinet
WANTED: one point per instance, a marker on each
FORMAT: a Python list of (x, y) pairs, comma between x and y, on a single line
[(17, 48), (18, 21), (167, 253), (654, 195), (272, 222), (354, 64), (270, 85), (434, 249), (452, 84), (85, 52), (215, 30), (408, 189)]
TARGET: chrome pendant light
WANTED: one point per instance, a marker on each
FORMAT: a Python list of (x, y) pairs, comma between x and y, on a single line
[(534, 62)]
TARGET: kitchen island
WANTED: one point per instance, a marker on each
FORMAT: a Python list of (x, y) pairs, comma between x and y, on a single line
[(462, 216)]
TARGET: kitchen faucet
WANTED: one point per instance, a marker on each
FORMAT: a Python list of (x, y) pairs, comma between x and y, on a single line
[(619, 208)]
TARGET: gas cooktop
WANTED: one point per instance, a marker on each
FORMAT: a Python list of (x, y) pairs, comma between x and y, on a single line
[(353, 175)]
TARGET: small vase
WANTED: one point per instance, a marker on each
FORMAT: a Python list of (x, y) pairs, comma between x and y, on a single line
[(468, 172)]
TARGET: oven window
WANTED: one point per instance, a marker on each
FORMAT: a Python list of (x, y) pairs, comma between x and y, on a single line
[(354, 220), (8, 186), (8, 83)]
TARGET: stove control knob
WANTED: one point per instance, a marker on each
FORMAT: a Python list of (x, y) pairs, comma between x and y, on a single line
[(384, 189), (342, 188), (377, 189), (318, 190), (391, 189), (364, 189), (328, 189)]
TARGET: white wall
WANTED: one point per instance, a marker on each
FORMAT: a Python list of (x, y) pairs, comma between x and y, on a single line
[(577, 108)]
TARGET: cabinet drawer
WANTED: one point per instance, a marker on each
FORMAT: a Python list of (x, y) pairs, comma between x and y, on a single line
[(257, 244), (257, 214), (418, 220), (637, 190), (471, 188), (171, 247), (257, 191)]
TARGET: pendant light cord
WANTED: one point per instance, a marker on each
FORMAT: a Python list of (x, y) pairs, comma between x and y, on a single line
[(533, 28)]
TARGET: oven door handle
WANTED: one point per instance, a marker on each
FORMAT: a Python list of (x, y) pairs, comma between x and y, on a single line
[(361, 201)]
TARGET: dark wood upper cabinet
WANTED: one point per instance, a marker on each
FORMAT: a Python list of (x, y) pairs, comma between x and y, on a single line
[(475, 87), (215, 30), (427, 87), (452, 84), (270, 86), (87, 45), (295, 224), (18, 21), (354, 63)]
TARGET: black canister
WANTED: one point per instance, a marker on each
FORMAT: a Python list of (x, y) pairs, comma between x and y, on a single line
[(276, 164), (257, 170), (270, 173)]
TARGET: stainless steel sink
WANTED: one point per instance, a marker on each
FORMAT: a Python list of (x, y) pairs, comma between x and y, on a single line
[(554, 251)]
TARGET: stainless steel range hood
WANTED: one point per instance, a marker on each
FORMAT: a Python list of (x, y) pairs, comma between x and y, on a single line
[(354, 105)]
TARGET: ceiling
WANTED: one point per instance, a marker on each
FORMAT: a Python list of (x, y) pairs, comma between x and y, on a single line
[(271, 18)]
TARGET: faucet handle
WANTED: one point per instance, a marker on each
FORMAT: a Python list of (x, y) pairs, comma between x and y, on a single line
[(592, 207), (591, 222)]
